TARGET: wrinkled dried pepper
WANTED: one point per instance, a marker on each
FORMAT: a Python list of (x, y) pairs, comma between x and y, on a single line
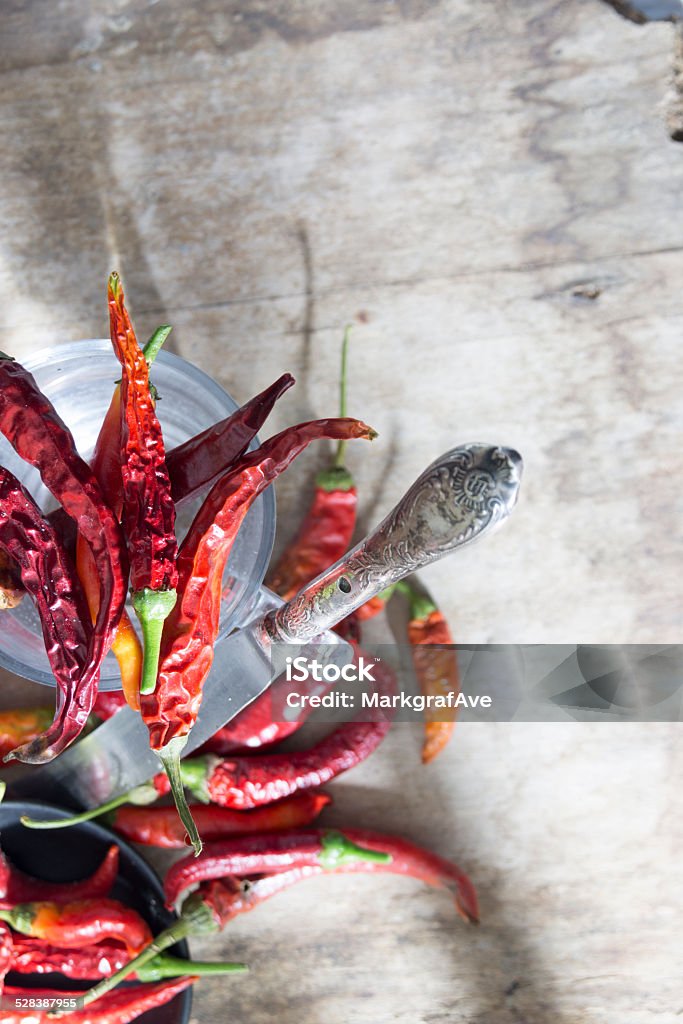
[(192, 627), (106, 465), (118, 1008), (49, 577), (79, 923), (31, 425), (436, 666), (148, 509), (17, 887)]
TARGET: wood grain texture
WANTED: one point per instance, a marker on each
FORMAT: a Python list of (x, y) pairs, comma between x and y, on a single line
[(493, 188)]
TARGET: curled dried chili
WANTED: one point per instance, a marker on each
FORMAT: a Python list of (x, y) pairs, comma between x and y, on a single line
[(148, 509), (192, 627), (49, 577), (36, 432), (17, 887)]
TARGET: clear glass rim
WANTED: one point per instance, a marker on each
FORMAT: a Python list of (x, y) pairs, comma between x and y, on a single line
[(80, 349)]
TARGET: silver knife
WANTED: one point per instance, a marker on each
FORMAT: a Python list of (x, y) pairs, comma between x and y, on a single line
[(466, 493)]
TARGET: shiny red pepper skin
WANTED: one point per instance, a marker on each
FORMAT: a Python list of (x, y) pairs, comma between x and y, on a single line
[(7, 954), (80, 923), (16, 887), (118, 1007), (50, 578), (197, 463), (34, 956), (295, 856), (161, 826), (31, 425), (192, 626), (243, 783)]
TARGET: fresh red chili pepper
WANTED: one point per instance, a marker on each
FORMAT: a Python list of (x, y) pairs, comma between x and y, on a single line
[(31, 425), (79, 923), (11, 588), (247, 782), (17, 887), (324, 848), (148, 509), (160, 826), (119, 1007), (192, 627), (50, 579), (199, 462), (33, 956), (326, 532), (291, 856), (22, 725), (436, 666)]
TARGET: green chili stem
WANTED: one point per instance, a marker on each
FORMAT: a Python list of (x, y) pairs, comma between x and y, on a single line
[(165, 966), (144, 794), (152, 608), (196, 919), (170, 759), (195, 773), (338, 849), (341, 447), (153, 346), (421, 604)]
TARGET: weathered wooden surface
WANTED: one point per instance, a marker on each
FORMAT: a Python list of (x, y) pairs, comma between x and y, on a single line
[(493, 188)]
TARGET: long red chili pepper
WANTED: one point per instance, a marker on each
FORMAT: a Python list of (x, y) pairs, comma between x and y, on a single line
[(198, 462), (161, 827), (50, 579), (106, 465), (281, 853), (31, 425), (192, 627), (33, 956), (119, 1007), (325, 848), (436, 666), (148, 509), (253, 781), (79, 923), (17, 887)]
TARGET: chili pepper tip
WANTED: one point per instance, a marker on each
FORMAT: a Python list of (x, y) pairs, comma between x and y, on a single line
[(170, 759)]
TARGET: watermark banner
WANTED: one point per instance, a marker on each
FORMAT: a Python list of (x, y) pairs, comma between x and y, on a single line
[(480, 683)]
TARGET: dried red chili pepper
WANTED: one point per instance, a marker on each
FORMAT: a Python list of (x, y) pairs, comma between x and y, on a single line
[(50, 579), (248, 782), (22, 725), (192, 626), (118, 1008), (199, 462), (291, 856), (436, 666), (324, 847), (33, 956), (17, 887), (160, 826), (148, 509), (326, 532), (79, 923), (31, 425)]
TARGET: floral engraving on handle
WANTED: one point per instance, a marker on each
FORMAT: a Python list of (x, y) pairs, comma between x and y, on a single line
[(466, 493)]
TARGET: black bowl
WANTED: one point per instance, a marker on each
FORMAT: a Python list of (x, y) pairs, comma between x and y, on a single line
[(69, 854)]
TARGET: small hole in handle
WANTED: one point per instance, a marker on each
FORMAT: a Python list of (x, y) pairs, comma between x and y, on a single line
[(344, 585)]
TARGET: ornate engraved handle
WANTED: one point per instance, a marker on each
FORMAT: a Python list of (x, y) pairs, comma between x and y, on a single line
[(466, 493)]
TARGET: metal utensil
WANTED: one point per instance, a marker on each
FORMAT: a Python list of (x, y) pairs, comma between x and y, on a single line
[(463, 495)]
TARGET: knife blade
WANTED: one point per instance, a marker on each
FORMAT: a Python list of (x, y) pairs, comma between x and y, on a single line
[(465, 494)]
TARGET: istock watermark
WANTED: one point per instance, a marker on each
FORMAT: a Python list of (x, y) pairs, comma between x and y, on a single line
[(483, 683)]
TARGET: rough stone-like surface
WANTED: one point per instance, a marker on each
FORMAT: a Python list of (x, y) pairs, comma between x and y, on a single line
[(492, 191)]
